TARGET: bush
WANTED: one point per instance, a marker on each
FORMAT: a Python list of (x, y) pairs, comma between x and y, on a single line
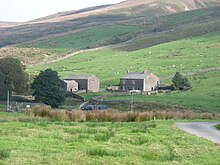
[(218, 126)]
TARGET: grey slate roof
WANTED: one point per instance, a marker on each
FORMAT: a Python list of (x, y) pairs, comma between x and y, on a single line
[(79, 77), (135, 75), (70, 81)]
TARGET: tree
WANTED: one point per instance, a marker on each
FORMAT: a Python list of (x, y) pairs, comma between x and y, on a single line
[(13, 78), (49, 88), (180, 82)]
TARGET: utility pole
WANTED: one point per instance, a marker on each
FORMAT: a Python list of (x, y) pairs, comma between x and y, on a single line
[(132, 101), (8, 102)]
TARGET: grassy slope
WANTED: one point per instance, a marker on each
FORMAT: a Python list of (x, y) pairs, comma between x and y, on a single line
[(83, 39), (62, 38), (45, 142), (190, 55), (174, 27), (155, 30), (184, 56), (165, 59)]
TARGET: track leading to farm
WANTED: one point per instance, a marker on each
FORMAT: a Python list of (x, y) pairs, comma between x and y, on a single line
[(201, 129)]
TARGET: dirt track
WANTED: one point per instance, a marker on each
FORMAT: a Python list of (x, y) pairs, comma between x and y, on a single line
[(202, 129)]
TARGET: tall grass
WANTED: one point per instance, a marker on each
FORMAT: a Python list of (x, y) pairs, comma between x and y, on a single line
[(98, 151), (4, 154), (116, 116)]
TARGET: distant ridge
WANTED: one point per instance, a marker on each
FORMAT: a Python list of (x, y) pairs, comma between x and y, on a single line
[(66, 13), (8, 24), (135, 8), (128, 13)]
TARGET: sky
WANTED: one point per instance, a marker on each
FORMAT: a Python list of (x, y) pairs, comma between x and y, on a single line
[(26, 10)]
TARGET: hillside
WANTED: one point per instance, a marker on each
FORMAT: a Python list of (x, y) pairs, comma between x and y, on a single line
[(67, 13), (138, 38), (70, 22), (137, 8), (127, 35), (197, 57), (187, 55)]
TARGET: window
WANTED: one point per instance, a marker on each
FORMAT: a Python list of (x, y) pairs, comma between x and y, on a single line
[(133, 81), (158, 83)]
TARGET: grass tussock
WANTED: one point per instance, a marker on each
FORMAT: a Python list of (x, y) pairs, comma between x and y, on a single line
[(98, 151), (4, 153), (116, 116)]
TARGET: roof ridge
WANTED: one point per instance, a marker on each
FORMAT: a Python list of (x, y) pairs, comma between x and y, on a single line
[(79, 77)]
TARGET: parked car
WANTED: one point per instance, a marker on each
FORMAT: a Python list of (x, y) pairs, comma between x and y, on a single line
[(92, 107), (88, 107)]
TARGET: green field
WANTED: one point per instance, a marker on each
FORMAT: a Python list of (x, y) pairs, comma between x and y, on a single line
[(83, 39), (28, 141), (188, 55), (205, 94)]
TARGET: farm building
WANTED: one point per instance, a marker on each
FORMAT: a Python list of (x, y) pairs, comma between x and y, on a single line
[(141, 81), (85, 82), (71, 85)]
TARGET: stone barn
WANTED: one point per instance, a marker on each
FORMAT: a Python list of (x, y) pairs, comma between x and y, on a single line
[(89, 83), (71, 85), (140, 81)]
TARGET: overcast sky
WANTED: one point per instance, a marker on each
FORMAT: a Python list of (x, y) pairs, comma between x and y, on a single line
[(25, 10)]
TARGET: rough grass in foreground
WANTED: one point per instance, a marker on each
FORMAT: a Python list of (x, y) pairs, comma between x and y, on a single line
[(116, 116), (4, 154), (151, 142)]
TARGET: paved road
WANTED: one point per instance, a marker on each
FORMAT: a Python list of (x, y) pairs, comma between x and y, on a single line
[(202, 129)]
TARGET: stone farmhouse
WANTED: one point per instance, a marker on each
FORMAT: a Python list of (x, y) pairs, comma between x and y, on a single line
[(71, 85), (143, 81), (89, 83)]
